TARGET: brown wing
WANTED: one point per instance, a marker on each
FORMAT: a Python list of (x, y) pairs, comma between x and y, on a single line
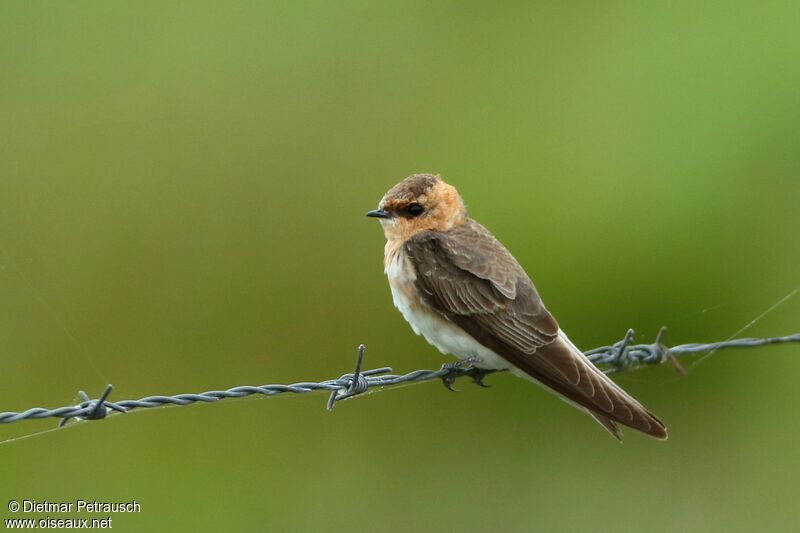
[(469, 277)]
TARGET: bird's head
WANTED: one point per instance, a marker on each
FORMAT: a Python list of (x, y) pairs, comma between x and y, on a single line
[(421, 202)]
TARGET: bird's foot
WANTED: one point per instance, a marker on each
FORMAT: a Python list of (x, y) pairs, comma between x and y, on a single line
[(464, 367), (477, 375), (452, 371)]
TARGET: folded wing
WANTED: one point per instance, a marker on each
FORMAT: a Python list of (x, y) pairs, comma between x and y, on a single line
[(470, 278)]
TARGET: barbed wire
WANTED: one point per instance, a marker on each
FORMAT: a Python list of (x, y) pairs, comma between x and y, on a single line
[(618, 357)]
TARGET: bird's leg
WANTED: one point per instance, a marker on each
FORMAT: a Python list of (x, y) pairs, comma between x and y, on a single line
[(477, 375), (452, 372), (464, 367)]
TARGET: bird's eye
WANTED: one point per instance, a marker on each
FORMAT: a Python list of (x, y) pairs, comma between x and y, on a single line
[(415, 209)]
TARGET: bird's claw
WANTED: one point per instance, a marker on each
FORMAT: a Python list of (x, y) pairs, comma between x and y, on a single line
[(477, 375), (450, 376), (463, 368)]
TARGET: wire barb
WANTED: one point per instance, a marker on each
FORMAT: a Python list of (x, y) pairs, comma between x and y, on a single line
[(358, 381), (618, 357), (93, 409)]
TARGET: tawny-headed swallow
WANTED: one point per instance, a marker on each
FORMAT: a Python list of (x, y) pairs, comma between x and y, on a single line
[(463, 291)]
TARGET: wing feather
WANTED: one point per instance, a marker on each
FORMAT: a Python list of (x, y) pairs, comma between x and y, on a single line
[(470, 278)]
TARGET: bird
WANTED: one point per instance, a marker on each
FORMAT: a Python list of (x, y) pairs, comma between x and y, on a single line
[(463, 291)]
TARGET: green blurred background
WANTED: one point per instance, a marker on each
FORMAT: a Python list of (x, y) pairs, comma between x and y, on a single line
[(182, 197)]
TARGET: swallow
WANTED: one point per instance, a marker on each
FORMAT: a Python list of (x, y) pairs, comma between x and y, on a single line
[(464, 292)]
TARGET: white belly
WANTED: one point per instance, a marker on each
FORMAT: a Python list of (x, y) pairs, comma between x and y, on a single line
[(447, 337)]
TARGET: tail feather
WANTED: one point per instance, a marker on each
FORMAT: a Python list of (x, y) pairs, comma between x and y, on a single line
[(590, 389), (656, 428), (608, 424)]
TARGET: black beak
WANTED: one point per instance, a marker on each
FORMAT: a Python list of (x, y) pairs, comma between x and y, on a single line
[(378, 213)]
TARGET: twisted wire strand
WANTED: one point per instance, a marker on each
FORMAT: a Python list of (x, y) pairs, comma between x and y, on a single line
[(617, 357)]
